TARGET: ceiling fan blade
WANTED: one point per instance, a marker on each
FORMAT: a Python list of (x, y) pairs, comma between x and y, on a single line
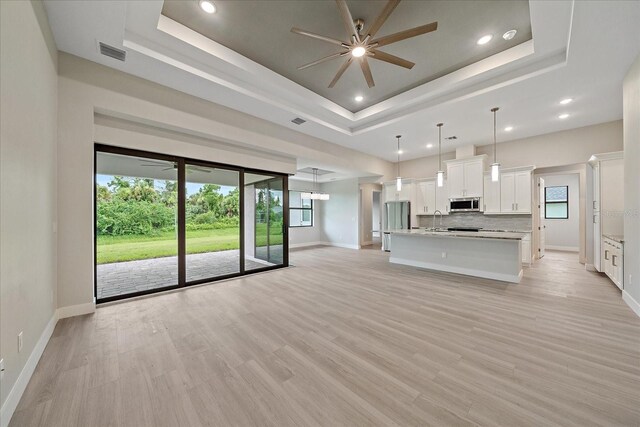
[(391, 59), (317, 36), (321, 60), (341, 71), (347, 19), (195, 168), (364, 64), (406, 34), (382, 18)]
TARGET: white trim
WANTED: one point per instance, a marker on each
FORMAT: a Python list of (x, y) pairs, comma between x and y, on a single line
[(343, 245), (76, 310), (562, 248), (511, 278), (635, 305), (306, 244), (11, 403)]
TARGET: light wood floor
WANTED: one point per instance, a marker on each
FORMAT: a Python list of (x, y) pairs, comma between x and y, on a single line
[(344, 338)]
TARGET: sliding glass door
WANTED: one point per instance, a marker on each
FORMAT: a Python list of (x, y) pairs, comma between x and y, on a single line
[(164, 222), (212, 222), (136, 224)]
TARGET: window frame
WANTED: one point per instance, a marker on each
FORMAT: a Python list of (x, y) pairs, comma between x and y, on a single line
[(555, 203), (301, 208)]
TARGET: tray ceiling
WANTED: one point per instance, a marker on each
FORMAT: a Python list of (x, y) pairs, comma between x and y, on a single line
[(260, 31)]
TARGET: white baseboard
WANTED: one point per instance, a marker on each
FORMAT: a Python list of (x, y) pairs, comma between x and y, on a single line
[(562, 248), (590, 267), (635, 306), (11, 403), (305, 244), (76, 310), (343, 245)]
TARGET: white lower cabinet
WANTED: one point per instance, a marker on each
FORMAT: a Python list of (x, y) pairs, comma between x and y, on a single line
[(612, 261), (526, 249)]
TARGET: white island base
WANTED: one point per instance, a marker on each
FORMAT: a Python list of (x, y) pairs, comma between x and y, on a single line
[(497, 258)]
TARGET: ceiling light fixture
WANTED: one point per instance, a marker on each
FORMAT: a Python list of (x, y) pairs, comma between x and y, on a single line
[(509, 34), (315, 194), (484, 39), (508, 129), (358, 51), (566, 101), (398, 179), (563, 116), (440, 173), (207, 6), (359, 98), (495, 166), (429, 145)]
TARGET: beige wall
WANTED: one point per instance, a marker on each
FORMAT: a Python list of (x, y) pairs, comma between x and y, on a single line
[(631, 95), (553, 149), (28, 192), (99, 104)]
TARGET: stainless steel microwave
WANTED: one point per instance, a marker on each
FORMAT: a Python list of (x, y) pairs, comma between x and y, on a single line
[(466, 204)]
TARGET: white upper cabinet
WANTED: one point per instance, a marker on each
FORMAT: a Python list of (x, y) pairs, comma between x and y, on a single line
[(430, 198), (515, 191), (464, 177), (491, 195), (391, 193)]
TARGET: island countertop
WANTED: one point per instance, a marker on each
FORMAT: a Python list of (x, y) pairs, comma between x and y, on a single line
[(502, 235)]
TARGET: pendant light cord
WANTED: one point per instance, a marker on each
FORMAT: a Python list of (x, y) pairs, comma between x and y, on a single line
[(440, 145), (495, 157), (398, 136)]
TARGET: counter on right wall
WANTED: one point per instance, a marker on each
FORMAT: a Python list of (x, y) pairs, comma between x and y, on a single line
[(631, 132)]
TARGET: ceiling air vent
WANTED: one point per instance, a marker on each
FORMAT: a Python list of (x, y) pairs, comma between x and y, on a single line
[(112, 52), (451, 137), (298, 121)]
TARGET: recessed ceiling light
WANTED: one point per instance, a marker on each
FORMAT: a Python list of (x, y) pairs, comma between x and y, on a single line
[(566, 101), (484, 39), (509, 34), (429, 145), (563, 116), (508, 129), (207, 6), (358, 51), (359, 98), (399, 151)]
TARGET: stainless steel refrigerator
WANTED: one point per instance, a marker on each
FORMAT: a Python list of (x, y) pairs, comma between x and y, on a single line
[(397, 216)]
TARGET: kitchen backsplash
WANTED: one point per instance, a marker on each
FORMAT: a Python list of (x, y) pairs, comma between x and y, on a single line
[(475, 219)]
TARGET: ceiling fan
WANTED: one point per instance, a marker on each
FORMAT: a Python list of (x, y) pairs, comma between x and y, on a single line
[(363, 45), (188, 168)]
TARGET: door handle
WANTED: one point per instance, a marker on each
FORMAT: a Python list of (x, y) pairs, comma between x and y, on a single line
[(606, 256), (613, 260), (594, 204)]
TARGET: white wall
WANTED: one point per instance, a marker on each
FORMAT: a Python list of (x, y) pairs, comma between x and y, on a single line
[(340, 213), (99, 104), (553, 149), (28, 121), (564, 234), (631, 107), (306, 236)]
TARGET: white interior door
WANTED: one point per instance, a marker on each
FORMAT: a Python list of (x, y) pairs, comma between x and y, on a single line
[(541, 224)]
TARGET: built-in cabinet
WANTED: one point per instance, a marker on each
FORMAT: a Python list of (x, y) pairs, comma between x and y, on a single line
[(511, 194), (406, 193), (465, 177), (612, 260), (431, 198)]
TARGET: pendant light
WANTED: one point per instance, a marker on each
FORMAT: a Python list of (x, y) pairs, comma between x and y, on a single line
[(398, 179), (495, 166), (315, 194), (440, 174)]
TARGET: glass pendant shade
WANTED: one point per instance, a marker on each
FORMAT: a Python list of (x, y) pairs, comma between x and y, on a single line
[(399, 184), (440, 178), (495, 172)]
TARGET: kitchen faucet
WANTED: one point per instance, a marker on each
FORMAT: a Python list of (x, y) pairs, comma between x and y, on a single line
[(437, 211)]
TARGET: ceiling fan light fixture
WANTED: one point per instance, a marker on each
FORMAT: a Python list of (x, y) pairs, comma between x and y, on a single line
[(484, 39), (566, 101), (509, 34), (207, 6), (358, 51)]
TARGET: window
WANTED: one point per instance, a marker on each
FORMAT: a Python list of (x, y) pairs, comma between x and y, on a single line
[(300, 210), (556, 201)]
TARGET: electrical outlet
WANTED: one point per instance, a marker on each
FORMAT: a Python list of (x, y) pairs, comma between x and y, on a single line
[(444, 254), (20, 342), (1, 368)]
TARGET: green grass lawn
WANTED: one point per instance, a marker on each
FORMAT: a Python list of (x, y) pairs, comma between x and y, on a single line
[(133, 247)]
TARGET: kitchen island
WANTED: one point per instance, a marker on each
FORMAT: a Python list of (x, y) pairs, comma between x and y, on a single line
[(486, 254)]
